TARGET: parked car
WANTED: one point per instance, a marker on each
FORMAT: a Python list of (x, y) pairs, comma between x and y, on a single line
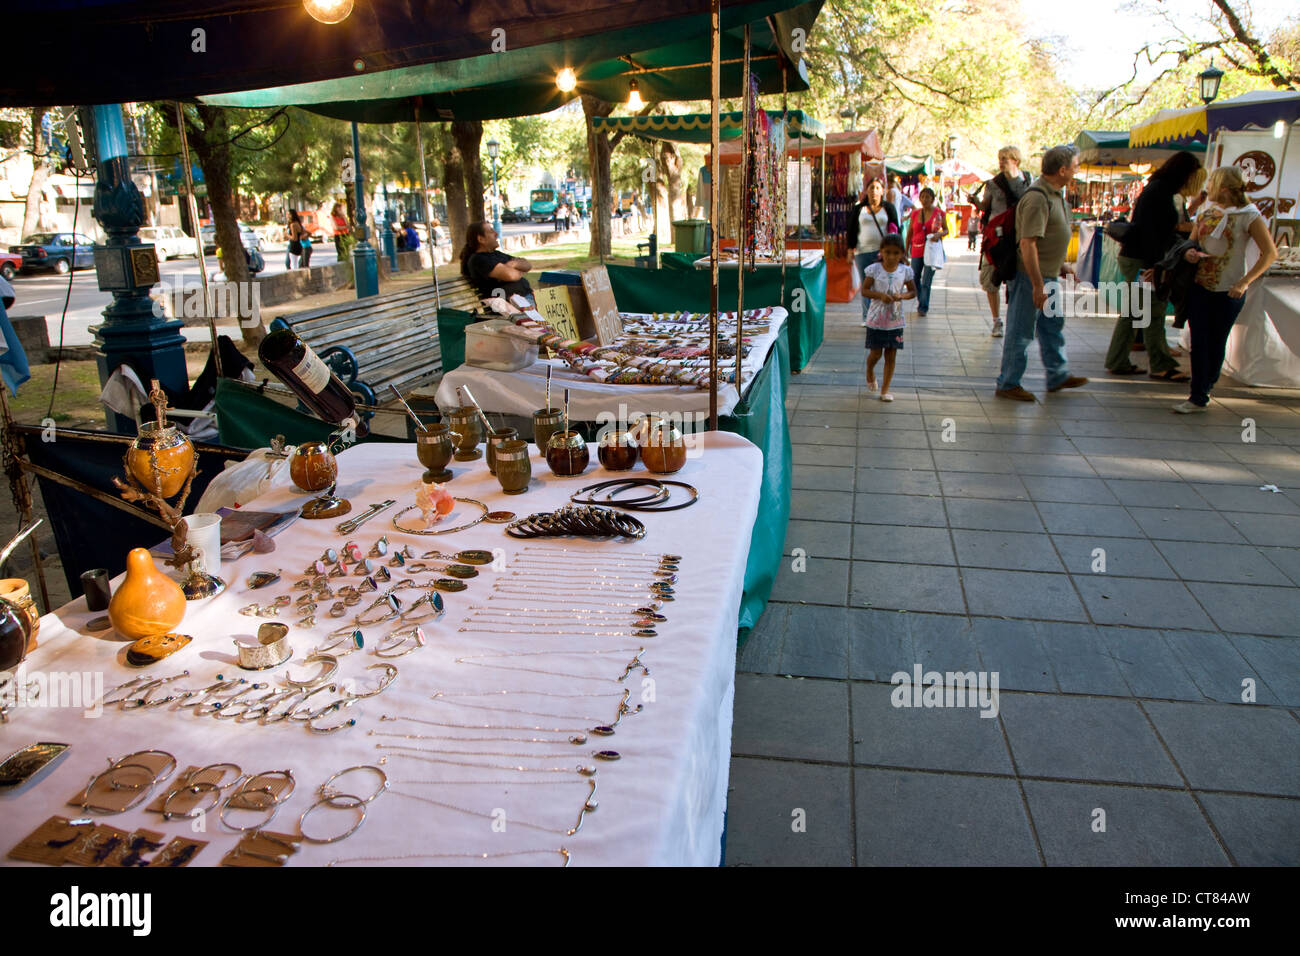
[(10, 264), (169, 241), (518, 214), (60, 251), (209, 234)]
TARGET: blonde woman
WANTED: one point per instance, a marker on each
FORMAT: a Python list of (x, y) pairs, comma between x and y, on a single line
[(1215, 298)]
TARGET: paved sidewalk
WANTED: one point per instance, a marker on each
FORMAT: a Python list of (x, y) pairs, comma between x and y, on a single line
[(1116, 565)]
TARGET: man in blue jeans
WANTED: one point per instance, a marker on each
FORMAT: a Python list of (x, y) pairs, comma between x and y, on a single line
[(1035, 305)]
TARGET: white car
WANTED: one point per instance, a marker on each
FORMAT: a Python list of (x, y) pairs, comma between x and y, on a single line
[(168, 241)]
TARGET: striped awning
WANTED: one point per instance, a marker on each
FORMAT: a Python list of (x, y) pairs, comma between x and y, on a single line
[(1172, 129), (695, 127)]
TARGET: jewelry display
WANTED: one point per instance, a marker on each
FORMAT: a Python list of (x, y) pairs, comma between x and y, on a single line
[(130, 773), (429, 531), (587, 807), (329, 709), (351, 639), (577, 521), (580, 769), (623, 556), (261, 579), (639, 632), (500, 517), (577, 733), (402, 642), (479, 558), (328, 792), (351, 525), (464, 571)]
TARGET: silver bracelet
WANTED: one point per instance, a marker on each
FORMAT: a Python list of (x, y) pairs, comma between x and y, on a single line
[(357, 804), (330, 793), (390, 675), (331, 668), (327, 709)]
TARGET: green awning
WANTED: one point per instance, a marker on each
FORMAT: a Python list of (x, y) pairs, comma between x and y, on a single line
[(695, 127), (1112, 148), (521, 82), (910, 165)]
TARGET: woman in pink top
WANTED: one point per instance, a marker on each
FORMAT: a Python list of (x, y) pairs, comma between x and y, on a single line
[(928, 224)]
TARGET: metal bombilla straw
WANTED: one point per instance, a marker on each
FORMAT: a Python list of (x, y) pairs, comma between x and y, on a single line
[(478, 408), (18, 539), (419, 425), (547, 403), (568, 450)]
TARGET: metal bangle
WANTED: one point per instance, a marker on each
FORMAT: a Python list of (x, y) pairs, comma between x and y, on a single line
[(359, 804), (273, 807), (171, 764), (329, 793), (330, 708), (239, 775), (415, 634), (331, 668), (294, 713), (194, 788), (390, 675), (248, 788)]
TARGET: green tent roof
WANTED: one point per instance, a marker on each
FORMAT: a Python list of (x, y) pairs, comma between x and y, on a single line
[(910, 165), (695, 127), (521, 82)]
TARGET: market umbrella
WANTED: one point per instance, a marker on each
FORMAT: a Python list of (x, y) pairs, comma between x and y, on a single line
[(1171, 129), (962, 171), (910, 165), (1261, 108)]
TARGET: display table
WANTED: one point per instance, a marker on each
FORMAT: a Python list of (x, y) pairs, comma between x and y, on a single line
[(523, 392), (660, 804), (803, 296), (1264, 344)]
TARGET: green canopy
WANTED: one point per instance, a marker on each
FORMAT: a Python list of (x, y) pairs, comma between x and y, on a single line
[(1111, 148), (695, 127), (521, 82), (910, 165)]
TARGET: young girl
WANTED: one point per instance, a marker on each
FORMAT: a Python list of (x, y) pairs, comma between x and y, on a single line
[(887, 283)]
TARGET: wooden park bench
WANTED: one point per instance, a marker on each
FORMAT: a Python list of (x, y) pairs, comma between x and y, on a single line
[(382, 340)]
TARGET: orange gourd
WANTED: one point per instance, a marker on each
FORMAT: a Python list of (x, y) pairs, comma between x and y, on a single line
[(148, 601)]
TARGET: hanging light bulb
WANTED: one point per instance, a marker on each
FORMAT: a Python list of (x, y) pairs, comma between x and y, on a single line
[(328, 11), (1279, 129), (634, 101), (566, 80)]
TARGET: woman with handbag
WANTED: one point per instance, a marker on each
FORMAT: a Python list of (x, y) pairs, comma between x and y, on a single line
[(870, 220), (929, 226), (1224, 228)]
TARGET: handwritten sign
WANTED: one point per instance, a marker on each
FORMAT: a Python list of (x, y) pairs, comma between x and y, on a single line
[(600, 298), (556, 307)]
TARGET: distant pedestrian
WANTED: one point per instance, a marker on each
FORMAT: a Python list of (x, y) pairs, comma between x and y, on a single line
[(972, 232), (928, 225), (412, 237), (342, 233), (1043, 228), (293, 258), (1001, 193), (1223, 228), (886, 284), (895, 195)]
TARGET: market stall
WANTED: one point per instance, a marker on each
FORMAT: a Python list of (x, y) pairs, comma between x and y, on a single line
[(521, 681)]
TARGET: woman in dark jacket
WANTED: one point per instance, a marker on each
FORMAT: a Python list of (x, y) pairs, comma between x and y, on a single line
[(1152, 231)]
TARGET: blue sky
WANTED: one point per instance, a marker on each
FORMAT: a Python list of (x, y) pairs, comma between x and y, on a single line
[(1098, 38)]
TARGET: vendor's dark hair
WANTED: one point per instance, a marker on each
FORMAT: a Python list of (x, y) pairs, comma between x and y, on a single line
[(892, 241), (927, 189), (472, 236), (1176, 170)]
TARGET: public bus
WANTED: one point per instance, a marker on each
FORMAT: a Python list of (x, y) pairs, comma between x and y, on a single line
[(542, 204)]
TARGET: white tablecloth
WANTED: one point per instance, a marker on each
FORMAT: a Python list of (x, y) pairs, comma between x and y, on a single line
[(523, 392), (1264, 345), (662, 803), (803, 258)]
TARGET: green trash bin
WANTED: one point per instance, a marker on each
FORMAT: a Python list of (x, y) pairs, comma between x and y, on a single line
[(691, 235)]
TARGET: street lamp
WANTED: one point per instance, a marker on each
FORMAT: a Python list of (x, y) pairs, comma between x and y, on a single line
[(953, 142), (1210, 78), (494, 150), (849, 114)]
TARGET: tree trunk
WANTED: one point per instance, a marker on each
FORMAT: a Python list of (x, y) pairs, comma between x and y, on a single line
[(40, 175), (211, 146), (670, 167), (453, 181), (468, 135), (598, 151)]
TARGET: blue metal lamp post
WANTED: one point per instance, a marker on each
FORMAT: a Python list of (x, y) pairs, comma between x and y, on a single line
[(494, 150), (135, 331), (365, 264)]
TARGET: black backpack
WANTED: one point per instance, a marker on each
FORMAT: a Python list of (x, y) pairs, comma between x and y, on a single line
[(1001, 245)]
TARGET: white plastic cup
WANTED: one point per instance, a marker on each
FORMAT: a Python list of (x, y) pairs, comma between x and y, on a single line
[(204, 534)]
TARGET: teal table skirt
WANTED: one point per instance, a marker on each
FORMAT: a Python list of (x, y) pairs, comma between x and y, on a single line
[(761, 418), (804, 297)]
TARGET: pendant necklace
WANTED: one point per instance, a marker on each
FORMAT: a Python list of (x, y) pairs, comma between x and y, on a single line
[(488, 816), (565, 855)]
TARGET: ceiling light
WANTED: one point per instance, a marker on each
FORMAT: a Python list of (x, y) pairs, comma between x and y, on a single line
[(566, 80), (634, 101), (328, 11)]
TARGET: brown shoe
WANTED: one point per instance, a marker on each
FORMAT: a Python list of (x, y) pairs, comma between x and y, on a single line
[(1074, 381), (1018, 393)]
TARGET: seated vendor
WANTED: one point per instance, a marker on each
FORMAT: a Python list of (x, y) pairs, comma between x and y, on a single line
[(488, 268)]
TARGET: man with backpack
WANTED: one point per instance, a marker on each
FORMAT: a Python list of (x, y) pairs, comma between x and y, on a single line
[(1001, 193), (1035, 307)]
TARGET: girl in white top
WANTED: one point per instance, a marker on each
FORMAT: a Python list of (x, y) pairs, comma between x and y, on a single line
[(1224, 228), (886, 284)]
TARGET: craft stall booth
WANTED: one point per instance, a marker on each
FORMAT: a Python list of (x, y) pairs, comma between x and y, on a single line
[(412, 631)]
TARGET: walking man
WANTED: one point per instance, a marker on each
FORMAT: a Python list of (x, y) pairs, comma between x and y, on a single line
[(1000, 193), (1036, 305)]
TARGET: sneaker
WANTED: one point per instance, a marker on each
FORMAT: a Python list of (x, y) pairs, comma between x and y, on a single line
[(997, 329), (886, 397), (1018, 393), (1188, 408), (871, 385), (1074, 381)]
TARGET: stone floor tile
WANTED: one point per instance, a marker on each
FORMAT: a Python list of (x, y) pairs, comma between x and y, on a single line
[(978, 514), (902, 544), (1266, 529), (799, 718), (909, 587), (761, 652), (1080, 659), (1029, 595), (1005, 550), (919, 737), (1244, 748), (1119, 557), (1259, 831), (823, 478), (1248, 609), (1089, 491), (1276, 660), (1231, 563), (816, 642), (1140, 602), (766, 797), (821, 505), (1102, 520), (819, 539), (915, 510), (824, 581), (1014, 650)]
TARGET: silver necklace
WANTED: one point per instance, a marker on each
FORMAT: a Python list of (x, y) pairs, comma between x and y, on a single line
[(587, 807), (562, 851)]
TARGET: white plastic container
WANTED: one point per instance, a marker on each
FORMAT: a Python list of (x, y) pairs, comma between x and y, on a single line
[(486, 346)]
